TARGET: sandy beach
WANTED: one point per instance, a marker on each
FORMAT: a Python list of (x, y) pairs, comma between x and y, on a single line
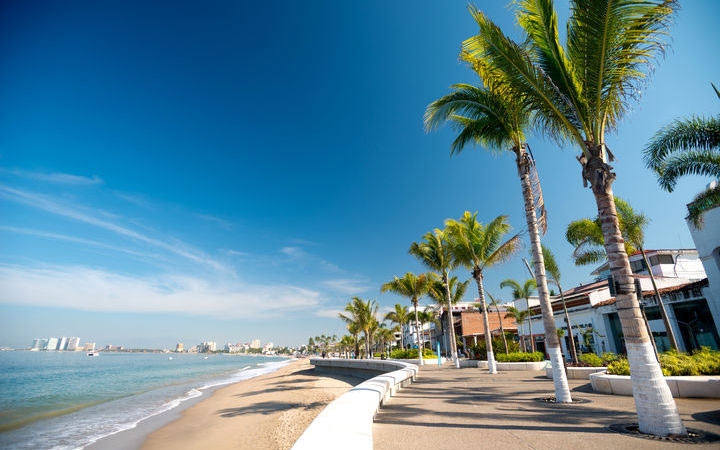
[(267, 412)]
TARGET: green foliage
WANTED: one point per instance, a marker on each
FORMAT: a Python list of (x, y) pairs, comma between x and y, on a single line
[(520, 357), (412, 354), (701, 362), (591, 360), (479, 351)]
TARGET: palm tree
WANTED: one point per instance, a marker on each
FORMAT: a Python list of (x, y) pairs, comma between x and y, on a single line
[(479, 247), (519, 317), (524, 292), (413, 287), (579, 93), (586, 236), (490, 117), (354, 330), (553, 271), (362, 313), (688, 146), (497, 310), (427, 316), (400, 316), (346, 343), (438, 295), (435, 253)]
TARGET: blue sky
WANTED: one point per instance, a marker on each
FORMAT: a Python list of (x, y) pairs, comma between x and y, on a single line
[(225, 170)]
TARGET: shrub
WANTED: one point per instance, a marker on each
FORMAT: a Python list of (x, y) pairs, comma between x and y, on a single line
[(591, 360), (701, 362), (412, 354), (520, 357), (478, 351)]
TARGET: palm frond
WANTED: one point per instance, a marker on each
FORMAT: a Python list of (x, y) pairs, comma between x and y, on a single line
[(551, 266), (702, 203)]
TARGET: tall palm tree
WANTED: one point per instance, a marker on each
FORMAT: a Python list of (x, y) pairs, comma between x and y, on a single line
[(413, 287), (354, 330), (490, 117), (684, 147), (519, 316), (434, 252), (479, 247), (438, 295), (362, 313), (346, 343), (586, 236), (579, 93), (524, 292), (553, 271), (497, 310), (400, 316), (427, 316)]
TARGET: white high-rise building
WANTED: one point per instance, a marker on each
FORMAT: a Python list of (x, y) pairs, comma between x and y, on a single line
[(73, 344), (255, 343), (62, 344), (36, 345), (52, 344)]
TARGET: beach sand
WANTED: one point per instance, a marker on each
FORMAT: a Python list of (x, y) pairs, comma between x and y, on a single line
[(267, 412)]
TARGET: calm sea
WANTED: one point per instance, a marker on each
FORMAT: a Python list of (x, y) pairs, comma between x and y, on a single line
[(64, 400)]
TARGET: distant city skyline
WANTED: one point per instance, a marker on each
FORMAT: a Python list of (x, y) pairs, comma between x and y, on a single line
[(243, 173)]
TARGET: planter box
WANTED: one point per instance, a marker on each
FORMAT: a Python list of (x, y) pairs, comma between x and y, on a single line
[(576, 373), (513, 366), (699, 386)]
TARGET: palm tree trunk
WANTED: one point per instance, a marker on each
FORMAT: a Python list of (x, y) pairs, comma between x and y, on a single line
[(451, 324), (522, 339), (663, 312), (502, 329), (417, 335), (402, 337), (573, 352), (552, 343), (492, 367), (656, 409), (368, 355), (529, 319)]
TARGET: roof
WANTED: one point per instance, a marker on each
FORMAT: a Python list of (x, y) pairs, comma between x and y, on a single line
[(648, 253), (667, 290)]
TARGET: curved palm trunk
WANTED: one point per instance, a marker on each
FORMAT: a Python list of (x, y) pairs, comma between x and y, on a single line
[(573, 352), (552, 343), (502, 329), (492, 366), (663, 312), (656, 409), (520, 333), (417, 335), (451, 325)]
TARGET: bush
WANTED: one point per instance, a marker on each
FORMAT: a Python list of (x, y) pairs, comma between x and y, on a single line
[(520, 357), (478, 351), (701, 362), (412, 354), (591, 360)]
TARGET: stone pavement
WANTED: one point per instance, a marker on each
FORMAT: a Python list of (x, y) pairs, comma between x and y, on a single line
[(457, 409)]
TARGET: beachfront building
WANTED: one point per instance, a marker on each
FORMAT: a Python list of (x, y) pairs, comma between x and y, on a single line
[(469, 324), (52, 344), (62, 343), (255, 344), (593, 314), (427, 331), (89, 347), (707, 242), (73, 344), (207, 347), (179, 347)]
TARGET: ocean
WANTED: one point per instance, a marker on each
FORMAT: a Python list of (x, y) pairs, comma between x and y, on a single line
[(67, 400)]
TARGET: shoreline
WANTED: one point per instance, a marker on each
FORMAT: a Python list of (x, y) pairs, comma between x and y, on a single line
[(267, 412), (133, 438)]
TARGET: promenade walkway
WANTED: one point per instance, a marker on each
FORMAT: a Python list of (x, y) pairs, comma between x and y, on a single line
[(469, 409)]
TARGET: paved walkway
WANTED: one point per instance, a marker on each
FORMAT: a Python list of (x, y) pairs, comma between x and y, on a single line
[(469, 409)]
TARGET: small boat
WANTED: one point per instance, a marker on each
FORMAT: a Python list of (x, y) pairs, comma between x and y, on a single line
[(93, 353), (205, 357), (170, 358)]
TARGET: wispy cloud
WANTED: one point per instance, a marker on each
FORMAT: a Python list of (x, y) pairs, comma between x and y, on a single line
[(77, 240), (222, 223), (297, 254), (98, 290), (348, 286), (231, 252), (54, 177), (329, 313), (89, 216)]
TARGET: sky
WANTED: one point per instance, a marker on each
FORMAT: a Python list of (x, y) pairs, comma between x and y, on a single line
[(187, 171)]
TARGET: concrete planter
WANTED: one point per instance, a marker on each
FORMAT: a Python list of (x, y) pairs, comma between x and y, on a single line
[(698, 386), (513, 366), (576, 373)]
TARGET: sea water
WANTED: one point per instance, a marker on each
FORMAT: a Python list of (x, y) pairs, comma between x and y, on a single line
[(64, 400)]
